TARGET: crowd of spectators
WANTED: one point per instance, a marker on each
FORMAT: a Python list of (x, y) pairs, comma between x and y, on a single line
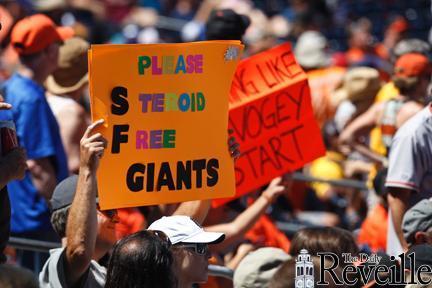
[(369, 71)]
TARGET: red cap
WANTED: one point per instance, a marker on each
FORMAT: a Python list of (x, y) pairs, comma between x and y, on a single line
[(399, 25), (33, 34), (412, 65)]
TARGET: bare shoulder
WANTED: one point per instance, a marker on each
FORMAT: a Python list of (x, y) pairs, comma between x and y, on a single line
[(70, 114), (408, 110)]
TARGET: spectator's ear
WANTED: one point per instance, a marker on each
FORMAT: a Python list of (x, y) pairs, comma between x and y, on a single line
[(420, 238), (52, 51)]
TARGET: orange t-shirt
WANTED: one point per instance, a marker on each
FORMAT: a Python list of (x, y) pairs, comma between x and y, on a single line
[(373, 231), (265, 233)]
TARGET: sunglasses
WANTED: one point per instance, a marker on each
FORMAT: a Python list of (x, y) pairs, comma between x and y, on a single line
[(199, 248), (111, 213)]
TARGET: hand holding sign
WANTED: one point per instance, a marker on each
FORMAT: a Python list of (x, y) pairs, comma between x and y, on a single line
[(274, 189), (92, 147), (233, 146)]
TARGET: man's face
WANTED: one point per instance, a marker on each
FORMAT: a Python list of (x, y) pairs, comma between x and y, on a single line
[(52, 55), (193, 265), (106, 229)]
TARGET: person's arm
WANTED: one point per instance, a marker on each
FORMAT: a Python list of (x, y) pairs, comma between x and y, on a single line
[(243, 222), (362, 123), (43, 176), (198, 209), (407, 111), (406, 171), (73, 122), (397, 201), (81, 228)]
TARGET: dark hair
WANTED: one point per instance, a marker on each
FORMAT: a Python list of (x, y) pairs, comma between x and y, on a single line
[(379, 182), (323, 239), (59, 220), (30, 58), (141, 260)]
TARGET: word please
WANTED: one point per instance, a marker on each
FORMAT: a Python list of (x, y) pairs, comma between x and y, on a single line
[(159, 65)]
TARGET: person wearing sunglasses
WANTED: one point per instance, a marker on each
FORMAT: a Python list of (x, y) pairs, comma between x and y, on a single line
[(142, 259), (189, 247)]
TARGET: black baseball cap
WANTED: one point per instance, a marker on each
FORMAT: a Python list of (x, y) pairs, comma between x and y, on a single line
[(226, 24), (64, 193)]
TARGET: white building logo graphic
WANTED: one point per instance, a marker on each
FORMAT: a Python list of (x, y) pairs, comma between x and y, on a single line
[(304, 270), (232, 53)]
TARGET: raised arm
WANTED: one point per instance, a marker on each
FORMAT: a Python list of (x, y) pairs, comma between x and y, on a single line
[(361, 124), (243, 222), (81, 228), (198, 209)]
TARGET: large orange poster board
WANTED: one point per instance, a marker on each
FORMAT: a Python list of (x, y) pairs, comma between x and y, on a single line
[(272, 119), (166, 116)]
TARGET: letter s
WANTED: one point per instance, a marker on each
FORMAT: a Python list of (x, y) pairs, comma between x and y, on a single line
[(212, 172), (120, 105)]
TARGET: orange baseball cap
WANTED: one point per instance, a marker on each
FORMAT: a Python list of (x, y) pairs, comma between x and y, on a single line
[(33, 34), (412, 65)]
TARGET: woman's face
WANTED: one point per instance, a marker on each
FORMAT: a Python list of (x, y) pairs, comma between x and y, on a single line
[(192, 263)]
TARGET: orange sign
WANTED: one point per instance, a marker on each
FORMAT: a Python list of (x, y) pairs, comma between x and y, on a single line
[(166, 119), (272, 119)]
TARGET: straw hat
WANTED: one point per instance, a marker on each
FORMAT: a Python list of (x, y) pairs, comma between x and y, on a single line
[(73, 66)]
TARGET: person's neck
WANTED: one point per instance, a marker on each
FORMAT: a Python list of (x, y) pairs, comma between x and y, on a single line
[(36, 74), (74, 95), (417, 97), (99, 252)]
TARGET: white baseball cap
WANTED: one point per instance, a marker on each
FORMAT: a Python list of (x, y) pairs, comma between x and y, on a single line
[(184, 229)]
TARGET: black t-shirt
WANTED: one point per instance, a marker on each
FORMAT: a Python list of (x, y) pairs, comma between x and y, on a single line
[(5, 215)]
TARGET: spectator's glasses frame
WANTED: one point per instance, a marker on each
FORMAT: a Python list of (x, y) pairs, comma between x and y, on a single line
[(112, 214), (199, 248)]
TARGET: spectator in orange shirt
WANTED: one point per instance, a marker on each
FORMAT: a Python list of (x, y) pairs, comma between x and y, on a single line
[(373, 231)]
